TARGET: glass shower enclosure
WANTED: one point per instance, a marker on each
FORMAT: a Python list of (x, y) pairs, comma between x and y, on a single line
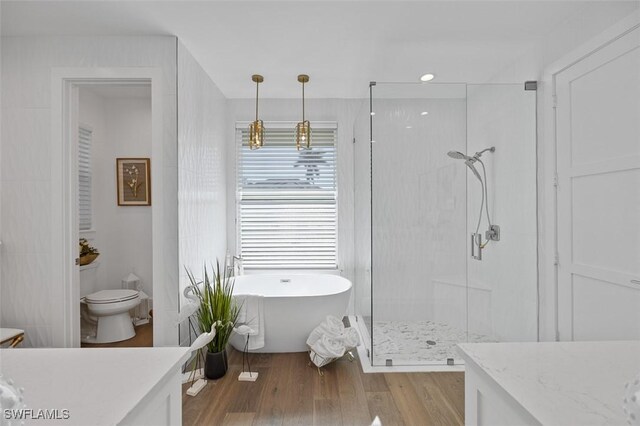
[(447, 233)]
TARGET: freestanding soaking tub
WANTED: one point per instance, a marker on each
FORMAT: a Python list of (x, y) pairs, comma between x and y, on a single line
[(293, 306)]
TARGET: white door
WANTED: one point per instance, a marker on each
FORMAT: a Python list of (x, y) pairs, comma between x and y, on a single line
[(598, 137)]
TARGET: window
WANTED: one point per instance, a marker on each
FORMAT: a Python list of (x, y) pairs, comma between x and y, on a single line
[(287, 199), (85, 218)]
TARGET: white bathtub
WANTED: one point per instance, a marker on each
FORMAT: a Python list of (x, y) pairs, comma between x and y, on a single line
[(293, 306)]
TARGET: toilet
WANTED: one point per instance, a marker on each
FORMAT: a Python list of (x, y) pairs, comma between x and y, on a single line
[(111, 308), (105, 313)]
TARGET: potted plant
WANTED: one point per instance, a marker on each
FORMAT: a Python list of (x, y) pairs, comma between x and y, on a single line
[(87, 253), (218, 310)]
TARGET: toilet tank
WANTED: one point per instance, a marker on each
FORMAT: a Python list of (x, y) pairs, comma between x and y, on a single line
[(89, 278)]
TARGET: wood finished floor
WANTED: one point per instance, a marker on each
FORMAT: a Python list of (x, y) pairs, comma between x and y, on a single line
[(142, 339), (290, 392)]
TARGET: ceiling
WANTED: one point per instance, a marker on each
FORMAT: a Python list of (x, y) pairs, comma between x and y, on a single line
[(341, 45)]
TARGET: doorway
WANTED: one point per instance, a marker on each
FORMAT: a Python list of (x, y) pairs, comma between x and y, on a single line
[(114, 136), (128, 94)]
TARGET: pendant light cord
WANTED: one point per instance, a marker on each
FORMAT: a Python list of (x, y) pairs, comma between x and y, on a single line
[(303, 102), (257, 86)]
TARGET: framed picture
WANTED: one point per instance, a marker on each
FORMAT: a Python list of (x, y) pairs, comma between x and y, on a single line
[(134, 181)]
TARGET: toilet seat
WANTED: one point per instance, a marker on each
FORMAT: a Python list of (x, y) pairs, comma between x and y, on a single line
[(111, 296)]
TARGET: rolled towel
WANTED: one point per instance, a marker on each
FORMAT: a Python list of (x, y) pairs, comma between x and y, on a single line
[(334, 323), (331, 326), (328, 347), (350, 338), (314, 336)]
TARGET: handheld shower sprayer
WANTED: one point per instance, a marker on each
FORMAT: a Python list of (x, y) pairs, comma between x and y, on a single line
[(467, 160), (493, 234)]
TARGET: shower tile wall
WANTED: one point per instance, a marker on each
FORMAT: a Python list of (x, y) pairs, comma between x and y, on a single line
[(419, 209), (504, 283)]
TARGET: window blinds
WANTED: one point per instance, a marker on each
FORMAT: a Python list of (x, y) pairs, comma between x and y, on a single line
[(287, 199), (84, 179)]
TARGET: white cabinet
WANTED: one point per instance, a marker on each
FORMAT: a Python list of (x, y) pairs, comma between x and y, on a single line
[(106, 386), (549, 383)]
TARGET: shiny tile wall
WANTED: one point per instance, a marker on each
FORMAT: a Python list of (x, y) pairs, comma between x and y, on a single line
[(504, 116), (419, 207), (202, 146), (29, 299), (362, 211)]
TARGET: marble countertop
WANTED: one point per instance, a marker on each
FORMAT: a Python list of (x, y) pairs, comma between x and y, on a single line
[(561, 383), (97, 386)]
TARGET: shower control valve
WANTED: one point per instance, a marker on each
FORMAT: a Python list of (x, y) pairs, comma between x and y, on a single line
[(493, 233)]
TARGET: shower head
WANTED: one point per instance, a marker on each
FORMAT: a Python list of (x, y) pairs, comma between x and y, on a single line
[(467, 160), (458, 155)]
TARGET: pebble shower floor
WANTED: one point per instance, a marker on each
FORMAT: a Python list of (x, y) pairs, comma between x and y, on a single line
[(418, 342)]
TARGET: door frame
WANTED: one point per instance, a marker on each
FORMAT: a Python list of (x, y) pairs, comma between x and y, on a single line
[(548, 172), (64, 217)]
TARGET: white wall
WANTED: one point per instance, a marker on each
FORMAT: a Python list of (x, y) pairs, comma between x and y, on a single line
[(339, 110), (202, 159), (30, 299), (121, 128)]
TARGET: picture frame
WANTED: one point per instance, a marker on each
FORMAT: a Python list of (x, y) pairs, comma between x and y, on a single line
[(133, 181)]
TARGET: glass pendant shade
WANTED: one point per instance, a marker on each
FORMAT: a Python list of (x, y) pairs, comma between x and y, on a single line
[(256, 129), (256, 134), (303, 135), (303, 128)]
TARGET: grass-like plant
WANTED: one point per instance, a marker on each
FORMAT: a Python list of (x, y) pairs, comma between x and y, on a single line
[(217, 306)]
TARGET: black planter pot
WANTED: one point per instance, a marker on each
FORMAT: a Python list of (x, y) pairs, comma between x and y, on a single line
[(216, 364)]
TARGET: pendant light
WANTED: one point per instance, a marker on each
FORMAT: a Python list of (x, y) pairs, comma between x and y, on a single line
[(256, 129), (303, 129)]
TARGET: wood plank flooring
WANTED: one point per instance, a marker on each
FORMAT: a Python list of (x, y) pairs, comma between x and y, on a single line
[(142, 339), (290, 392)]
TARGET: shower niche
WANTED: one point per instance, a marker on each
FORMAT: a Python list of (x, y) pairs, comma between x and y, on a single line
[(445, 205)]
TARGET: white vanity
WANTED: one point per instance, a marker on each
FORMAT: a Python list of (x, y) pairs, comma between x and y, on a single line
[(106, 386), (554, 383)]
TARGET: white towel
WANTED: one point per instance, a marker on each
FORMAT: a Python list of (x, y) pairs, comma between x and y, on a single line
[(251, 314), (350, 338), (326, 348), (331, 326), (334, 324)]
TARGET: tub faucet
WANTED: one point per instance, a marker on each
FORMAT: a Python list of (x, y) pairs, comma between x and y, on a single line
[(235, 267)]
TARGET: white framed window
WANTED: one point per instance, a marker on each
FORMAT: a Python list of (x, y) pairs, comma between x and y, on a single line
[(287, 212), (85, 212)]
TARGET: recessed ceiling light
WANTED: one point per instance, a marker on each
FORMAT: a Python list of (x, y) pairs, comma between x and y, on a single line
[(427, 77), (373, 113), (424, 113), (409, 127)]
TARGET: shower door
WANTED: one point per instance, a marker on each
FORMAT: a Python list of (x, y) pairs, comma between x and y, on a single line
[(418, 224), (427, 292)]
